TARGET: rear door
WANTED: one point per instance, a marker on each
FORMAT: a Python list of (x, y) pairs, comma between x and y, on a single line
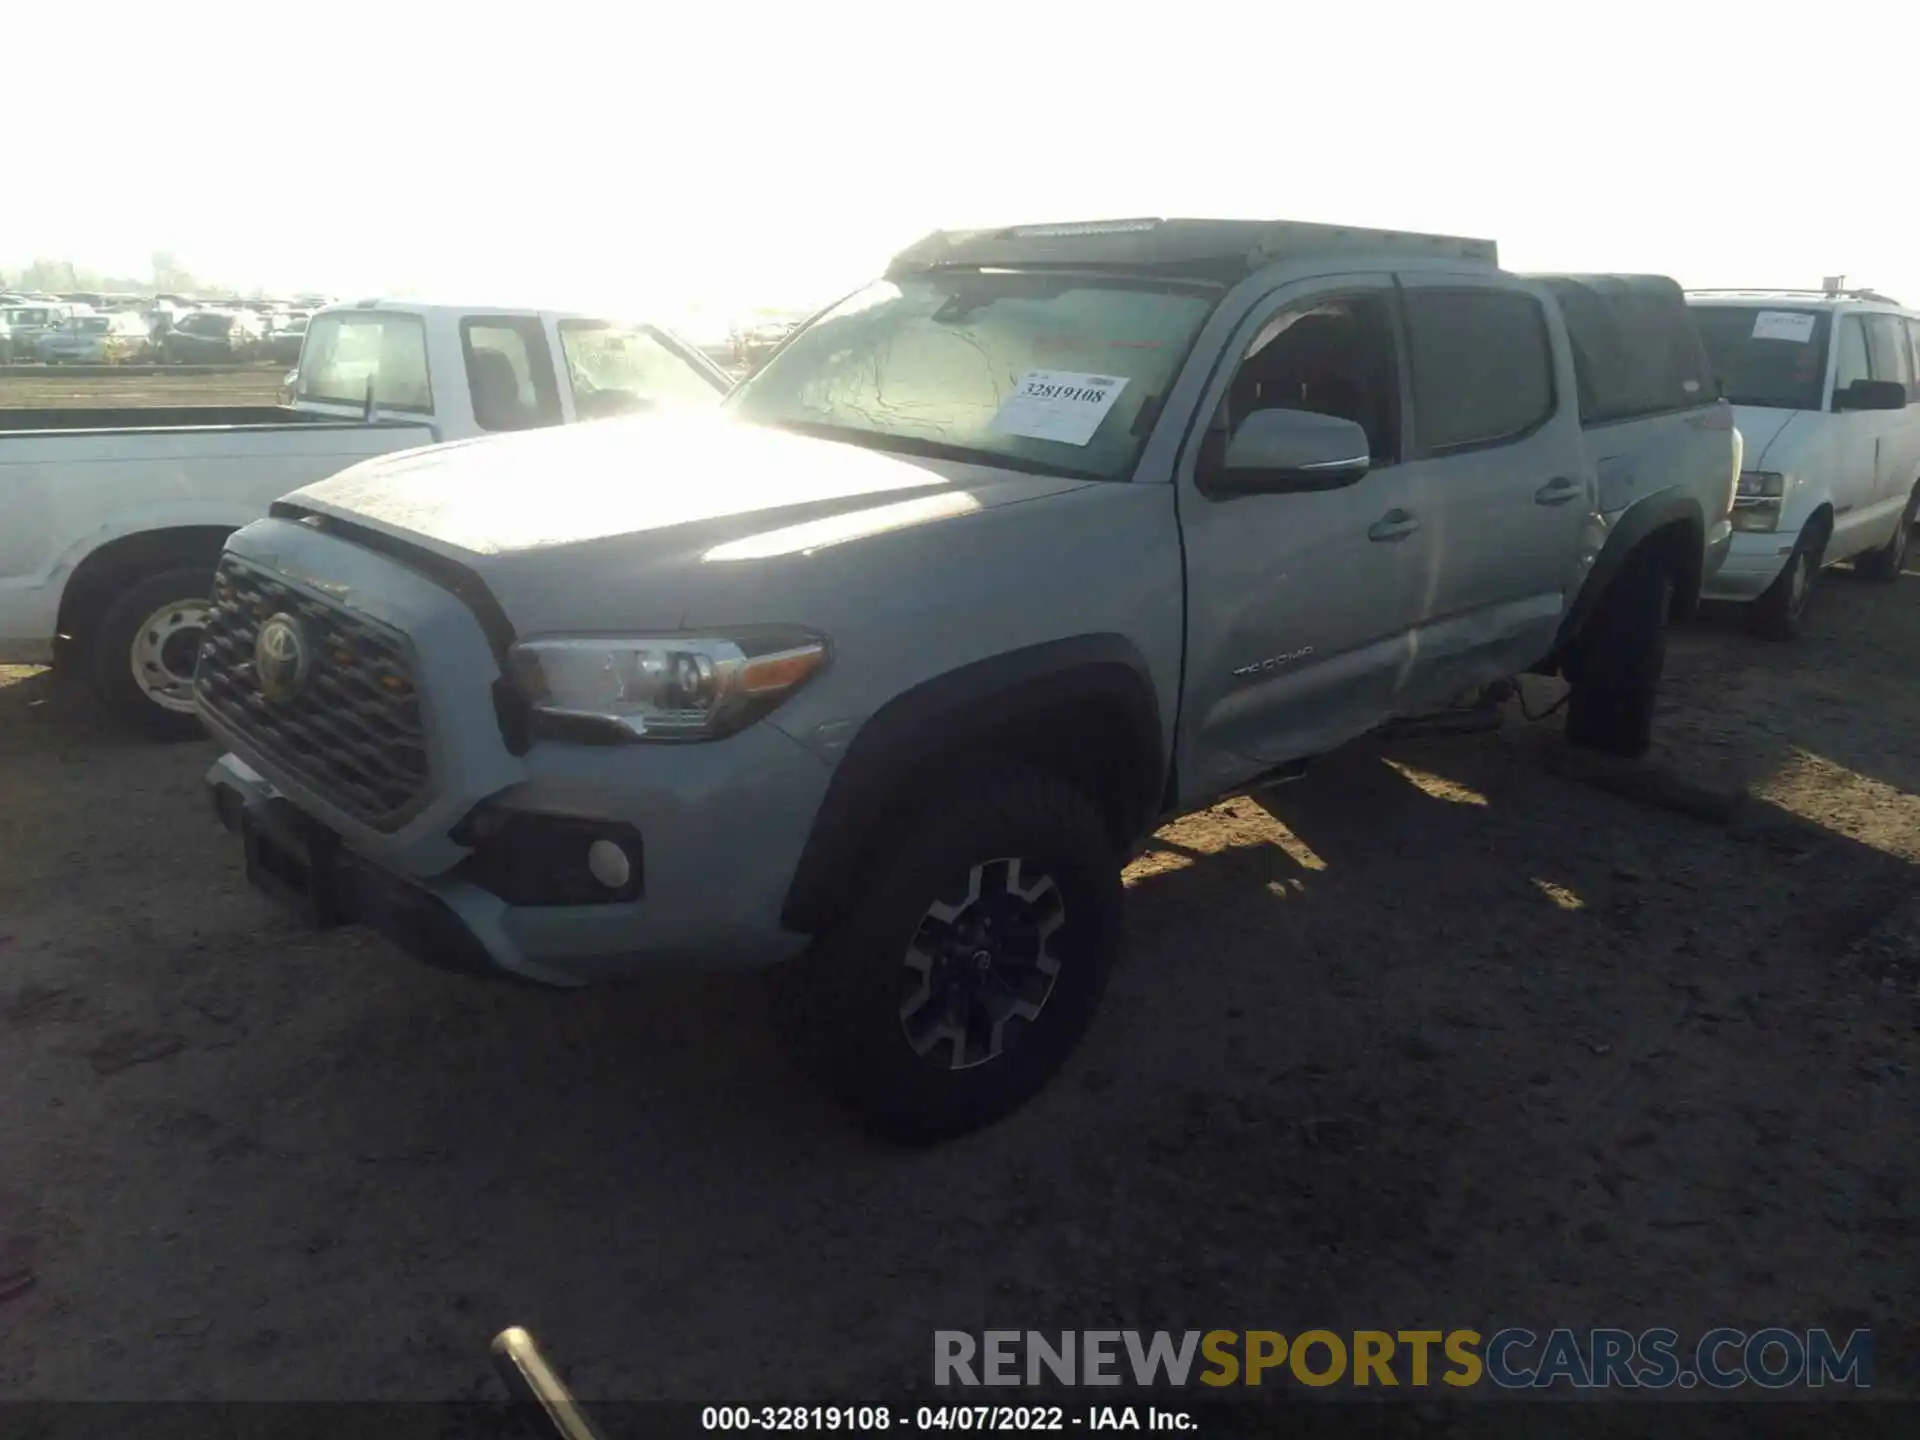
[(1650, 413), (1497, 469)]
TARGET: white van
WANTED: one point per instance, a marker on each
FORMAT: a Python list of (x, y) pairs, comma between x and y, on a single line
[(1821, 386)]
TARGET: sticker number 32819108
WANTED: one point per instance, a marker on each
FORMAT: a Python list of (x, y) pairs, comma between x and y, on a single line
[(1061, 405)]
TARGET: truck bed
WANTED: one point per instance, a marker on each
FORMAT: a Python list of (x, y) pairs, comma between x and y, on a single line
[(66, 491), (162, 417)]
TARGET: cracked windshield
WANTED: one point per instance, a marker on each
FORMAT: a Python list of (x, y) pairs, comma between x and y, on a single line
[(937, 365)]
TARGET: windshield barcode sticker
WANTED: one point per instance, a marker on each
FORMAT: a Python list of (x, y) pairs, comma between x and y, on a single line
[(1795, 325), (1060, 405)]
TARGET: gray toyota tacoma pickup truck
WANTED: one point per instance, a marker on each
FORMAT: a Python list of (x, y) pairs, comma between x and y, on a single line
[(879, 677)]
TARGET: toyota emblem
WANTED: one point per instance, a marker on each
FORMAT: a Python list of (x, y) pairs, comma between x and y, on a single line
[(280, 658)]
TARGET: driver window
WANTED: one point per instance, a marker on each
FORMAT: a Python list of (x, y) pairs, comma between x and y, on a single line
[(1332, 356)]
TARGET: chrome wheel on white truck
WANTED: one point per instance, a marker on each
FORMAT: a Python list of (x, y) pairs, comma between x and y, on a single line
[(144, 651)]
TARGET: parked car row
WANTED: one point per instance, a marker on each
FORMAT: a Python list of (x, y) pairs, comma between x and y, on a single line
[(94, 340), (876, 674), (104, 329), (748, 349), (212, 337), (21, 326)]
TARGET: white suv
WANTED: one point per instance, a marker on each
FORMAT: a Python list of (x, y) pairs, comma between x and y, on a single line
[(1821, 384)]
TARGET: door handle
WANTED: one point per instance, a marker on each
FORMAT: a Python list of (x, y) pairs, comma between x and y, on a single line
[(1394, 525), (1557, 491)]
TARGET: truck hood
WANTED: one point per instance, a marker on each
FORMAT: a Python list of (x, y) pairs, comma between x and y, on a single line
[(638, 521), (1759, 427)]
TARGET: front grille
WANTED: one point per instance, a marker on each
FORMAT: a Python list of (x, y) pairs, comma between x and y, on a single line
[(351, 729)]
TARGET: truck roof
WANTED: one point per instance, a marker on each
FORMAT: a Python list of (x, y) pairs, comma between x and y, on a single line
[(1218, 250), (410, 305), (1792, 297)]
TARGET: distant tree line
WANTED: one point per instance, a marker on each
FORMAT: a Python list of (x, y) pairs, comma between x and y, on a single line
[(167, 277)]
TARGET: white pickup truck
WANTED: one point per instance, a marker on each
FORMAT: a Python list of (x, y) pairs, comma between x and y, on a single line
[(114, 518)]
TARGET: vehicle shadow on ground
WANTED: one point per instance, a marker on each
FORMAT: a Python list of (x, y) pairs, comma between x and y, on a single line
[(1533, 1036), (1846, 692), (1285, 1106), (39, 708)]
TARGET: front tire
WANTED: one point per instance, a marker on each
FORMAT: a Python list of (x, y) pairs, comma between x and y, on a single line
[(1615, 669), (1781, 613), (144, 649), (972, 963)]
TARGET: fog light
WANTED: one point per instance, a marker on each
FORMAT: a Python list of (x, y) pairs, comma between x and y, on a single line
[(609, 864), (529, 858)]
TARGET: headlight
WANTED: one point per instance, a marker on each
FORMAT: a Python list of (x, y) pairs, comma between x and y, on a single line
[(661, 687), (1756, 505)]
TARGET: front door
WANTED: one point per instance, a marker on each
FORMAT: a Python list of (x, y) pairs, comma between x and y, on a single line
[(1299, 605)]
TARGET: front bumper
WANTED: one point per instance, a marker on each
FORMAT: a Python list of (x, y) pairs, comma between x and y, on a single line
[(303, 865), (1753, 562), (709, 900)]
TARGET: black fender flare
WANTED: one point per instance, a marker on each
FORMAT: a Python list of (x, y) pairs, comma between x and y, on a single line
[(1002, 703), (1623, 542)]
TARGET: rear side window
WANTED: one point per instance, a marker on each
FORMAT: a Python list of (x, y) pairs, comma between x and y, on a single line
[(1482, 366), (351, 355), (1635, 348), (1913, 356), (509, 372), (1887, 351)]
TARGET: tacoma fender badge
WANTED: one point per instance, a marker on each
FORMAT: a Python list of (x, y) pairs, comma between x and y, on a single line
[(1272, 662)]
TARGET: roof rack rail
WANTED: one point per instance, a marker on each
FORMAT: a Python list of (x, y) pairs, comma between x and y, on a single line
[(1222, 250), (1854, 294)]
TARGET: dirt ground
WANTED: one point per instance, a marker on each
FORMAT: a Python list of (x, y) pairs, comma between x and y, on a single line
[(46, 387), (1433, 1037)]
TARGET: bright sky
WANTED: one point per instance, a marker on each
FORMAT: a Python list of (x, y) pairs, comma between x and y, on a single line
[(696, 160)]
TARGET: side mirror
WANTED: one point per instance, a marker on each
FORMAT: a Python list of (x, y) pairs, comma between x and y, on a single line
[(1871, 395), (1278, 452)]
